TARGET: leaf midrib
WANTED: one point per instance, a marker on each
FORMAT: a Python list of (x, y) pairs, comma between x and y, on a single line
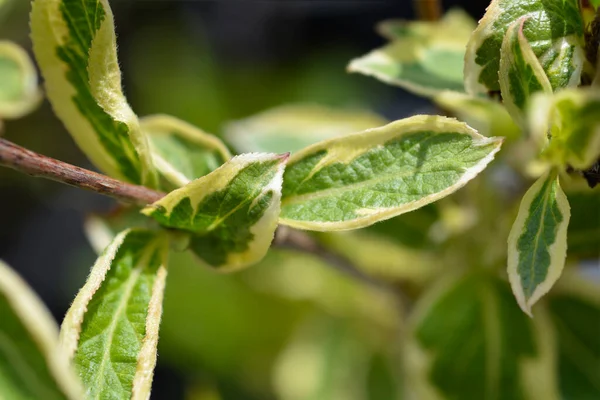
[(130, 284), (331, 192), (537, 238)]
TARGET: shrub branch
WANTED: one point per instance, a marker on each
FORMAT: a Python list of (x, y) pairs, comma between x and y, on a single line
[(38, 165)]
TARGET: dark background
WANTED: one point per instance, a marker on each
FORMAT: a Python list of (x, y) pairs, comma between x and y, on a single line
[(206, 62)]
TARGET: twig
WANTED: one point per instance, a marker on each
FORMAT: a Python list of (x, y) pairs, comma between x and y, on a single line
[(428, 10), (34, 164)]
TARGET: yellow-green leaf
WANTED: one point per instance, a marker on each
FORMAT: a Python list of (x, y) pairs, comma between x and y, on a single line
[(468, 340), (293, 127), (180, 151), (32, 365), (554, 30), (537, 244), (521, 74), (359, 179), (231, 213), (75, 46), (570, 119), (111, 329), (19, 92)]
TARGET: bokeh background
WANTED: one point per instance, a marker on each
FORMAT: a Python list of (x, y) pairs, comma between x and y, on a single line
[(274, 330)]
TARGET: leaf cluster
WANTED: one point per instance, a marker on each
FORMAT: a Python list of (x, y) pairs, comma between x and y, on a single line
[(520, 76)]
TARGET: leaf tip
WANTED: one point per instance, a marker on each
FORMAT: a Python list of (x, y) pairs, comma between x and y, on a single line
[(284, 157)]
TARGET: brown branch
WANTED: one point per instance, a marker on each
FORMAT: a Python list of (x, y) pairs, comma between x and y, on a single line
[(428, 10), (34, 164)]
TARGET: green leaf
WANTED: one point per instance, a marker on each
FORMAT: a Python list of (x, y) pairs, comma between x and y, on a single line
[(576, 316), (537, 244), (408, 64), (357, 180), (31, 363), (19, 92), (180, 151), (554, 30), (521, 74), (293, 127), (111, 329), (486, 116), (570, 119), (424, 57), (75, 46), (469, 341), (230, 213), (583, 235)]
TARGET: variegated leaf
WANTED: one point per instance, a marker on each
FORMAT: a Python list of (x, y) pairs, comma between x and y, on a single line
[(521, 74), (74, 44), (230, 213), (468, 340), (355, 181), (570, 119), (19, 92), (111, 329), (293, 127), (424, 57), (537, 244), (423, 70), (32, 365), (180, 151), (554, 30)]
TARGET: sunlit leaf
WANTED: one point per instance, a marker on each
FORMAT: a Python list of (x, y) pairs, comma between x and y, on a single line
[(468, 340), (537, 244), (180, 151), (576, 316), (111, 329), (31, 363), (521, 74), (570, 119), (554, 30), (355, 181), (230, 213), (75, 47), (19, 93), (291, 128), (424, 57)]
